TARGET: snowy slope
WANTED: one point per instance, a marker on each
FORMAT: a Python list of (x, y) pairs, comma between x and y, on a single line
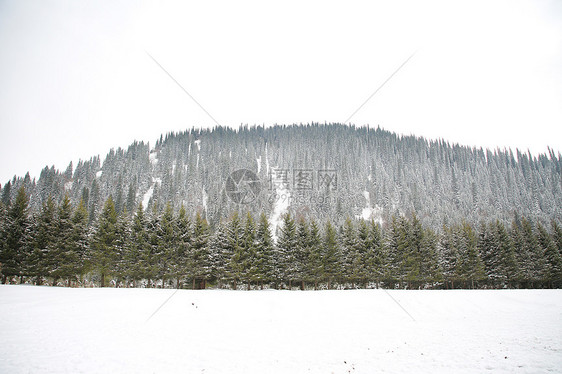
[(58, 330)]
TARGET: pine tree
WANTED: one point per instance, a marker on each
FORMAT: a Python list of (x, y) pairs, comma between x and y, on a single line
[(430, 271), (153, 255), (200, 259), (508, 267), (3, 227), (62, 256), (315, 254), (167, 243), (286, 250), (264, 251), (365, 253), (471, 267), (249, 264), (6, 199), (182, 250), (528, 253), (17, 238), (122, 239), (220, 254), (330, 254), (138, 250), (130, 204), (553, 271), (302, 250), (80, 241), (41, 261), (104, 242), (488, 252), (449, 256), (557, 236), (351, 264), (398, 244), (376, 266), (235, 249)]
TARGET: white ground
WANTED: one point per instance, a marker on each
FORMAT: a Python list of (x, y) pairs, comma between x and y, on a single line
[(60, 330)]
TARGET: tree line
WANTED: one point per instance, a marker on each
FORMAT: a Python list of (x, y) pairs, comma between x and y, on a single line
[(379, 174), (58, 246)]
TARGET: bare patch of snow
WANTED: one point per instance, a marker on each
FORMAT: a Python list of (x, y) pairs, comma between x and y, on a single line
[(99, 173), (282, 198), (204, 198), (266, 161), (153, 157), (147, 196), (258, 161), (369, 212)]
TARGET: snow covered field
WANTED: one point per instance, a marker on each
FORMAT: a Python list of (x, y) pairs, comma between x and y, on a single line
[(61, 330)]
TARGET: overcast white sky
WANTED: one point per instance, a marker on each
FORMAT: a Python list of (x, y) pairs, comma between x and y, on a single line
[(75, 79)]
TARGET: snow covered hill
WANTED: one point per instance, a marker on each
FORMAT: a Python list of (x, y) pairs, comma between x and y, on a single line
[(64, 330)]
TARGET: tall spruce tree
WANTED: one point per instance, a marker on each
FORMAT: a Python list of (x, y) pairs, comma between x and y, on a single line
[(62, 256), (471, 267), (557, 235), (17, 238), (351, 264), (315, 254), (553, 271), (104, 242), (200, 259), (528, 253), (330, 255), (235, 248), (41, 261), (376, 264), (181, 252), (167, 243), (220, 253), (249, 264), (508, 267), (264, 251), (80, 241), (287, 250), (138, 250), (122, 239)]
